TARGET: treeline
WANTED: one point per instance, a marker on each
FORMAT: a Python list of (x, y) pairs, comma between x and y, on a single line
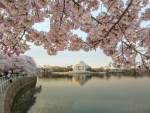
[(48, 68), (100, 69)]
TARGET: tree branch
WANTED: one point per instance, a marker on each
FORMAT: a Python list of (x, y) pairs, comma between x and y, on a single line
[(123, 33), (37, 11), (119, 18), (76, 3), (62, 13), (111, 5)]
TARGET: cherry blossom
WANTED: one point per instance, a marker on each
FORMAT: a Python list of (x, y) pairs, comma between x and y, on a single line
[(4, 61), (116, 30), (24, 63)]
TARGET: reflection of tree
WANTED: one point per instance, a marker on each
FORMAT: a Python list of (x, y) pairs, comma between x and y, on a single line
[(106, 76), (26, 101), (53, 77)]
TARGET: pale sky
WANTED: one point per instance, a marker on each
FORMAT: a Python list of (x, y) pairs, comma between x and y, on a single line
[(65, 58), (93, 58)]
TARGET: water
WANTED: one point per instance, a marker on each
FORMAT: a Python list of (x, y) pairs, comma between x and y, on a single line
[(93, 94)]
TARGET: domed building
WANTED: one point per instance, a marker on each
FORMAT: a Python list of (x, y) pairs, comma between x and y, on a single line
[(80, 67)]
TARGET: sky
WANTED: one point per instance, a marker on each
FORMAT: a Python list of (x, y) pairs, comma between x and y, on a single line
[(93, 58), (65, 58)]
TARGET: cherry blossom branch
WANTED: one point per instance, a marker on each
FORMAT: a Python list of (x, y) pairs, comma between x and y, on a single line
[(119, 18), (91, 16), (144, 28), (130, 44), (120, 9), (111, 5), (84, 42), (123, 33), (37, 11), (23, 34), (15, 43), (96, 20), (135, 49), (76, 3), (62, 13), (21, 38), (116, 22), (144, 63), (122, 53)]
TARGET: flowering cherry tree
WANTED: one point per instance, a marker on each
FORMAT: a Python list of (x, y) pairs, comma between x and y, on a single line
[(4, 62), (24, 63), (29, 65), (117, 31)]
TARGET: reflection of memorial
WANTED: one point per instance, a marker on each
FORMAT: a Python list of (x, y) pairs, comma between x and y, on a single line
[(80, 79), (80, 67)]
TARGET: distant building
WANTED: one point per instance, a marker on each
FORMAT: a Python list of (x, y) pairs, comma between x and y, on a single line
[(80, 67)]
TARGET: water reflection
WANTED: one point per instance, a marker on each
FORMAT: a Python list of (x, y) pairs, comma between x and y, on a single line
[(27, 100), (80, 79), (110, 93)]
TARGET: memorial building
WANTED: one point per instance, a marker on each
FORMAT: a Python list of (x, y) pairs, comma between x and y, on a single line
[(80, 67)]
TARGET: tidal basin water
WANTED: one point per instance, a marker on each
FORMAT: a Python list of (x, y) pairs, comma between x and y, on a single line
[(93, 94)]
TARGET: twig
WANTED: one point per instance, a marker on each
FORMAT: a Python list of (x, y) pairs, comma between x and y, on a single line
[(111, 5), (123, 33)]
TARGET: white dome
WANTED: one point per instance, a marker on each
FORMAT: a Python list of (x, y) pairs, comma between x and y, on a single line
[(81, 62), (80, 66)]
